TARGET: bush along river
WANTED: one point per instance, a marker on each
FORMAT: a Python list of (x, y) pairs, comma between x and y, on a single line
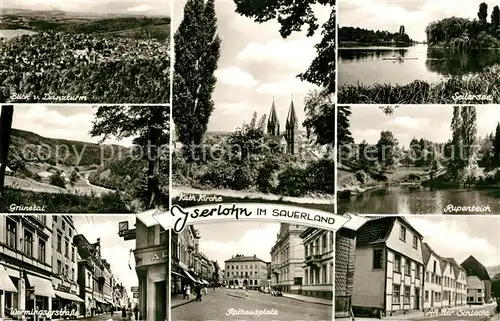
[(418, 199)]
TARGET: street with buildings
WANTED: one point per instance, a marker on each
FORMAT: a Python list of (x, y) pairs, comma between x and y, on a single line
[(393, 273), (296, 283), (45, 264)]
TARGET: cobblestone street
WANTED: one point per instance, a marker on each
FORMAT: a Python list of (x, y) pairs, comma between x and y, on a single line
[(216, 306)]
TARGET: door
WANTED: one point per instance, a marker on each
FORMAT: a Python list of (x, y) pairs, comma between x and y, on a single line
[(417, 299), (161, 301)]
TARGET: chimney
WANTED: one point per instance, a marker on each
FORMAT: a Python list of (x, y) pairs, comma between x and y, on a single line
[(254, 256), (98, 240)]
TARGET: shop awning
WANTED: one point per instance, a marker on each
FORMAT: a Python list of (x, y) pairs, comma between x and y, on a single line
[(100, 301), (43, 287), (147, 217), (108, 301), (189, 276), (6, 283), (205, 281), (178, 274), (68, 296)]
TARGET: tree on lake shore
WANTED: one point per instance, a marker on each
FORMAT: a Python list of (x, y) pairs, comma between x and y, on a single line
[(197, 51), (292, 16)]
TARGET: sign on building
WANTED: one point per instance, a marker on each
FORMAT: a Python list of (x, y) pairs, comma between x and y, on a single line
[(134, 289)]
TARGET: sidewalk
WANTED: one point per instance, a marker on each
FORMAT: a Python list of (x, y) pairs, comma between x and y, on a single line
[(178, 300), (308, 299), (82, 317), (422, 315)]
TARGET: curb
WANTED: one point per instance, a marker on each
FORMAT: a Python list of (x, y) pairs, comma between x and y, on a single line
[(301, 300), (236, 296), (182, 303)]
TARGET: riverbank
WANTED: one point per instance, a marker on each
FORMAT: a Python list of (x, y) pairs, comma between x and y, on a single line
[(477, 88)]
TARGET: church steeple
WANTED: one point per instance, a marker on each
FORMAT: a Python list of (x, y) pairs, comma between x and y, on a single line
[(273, 124), (292, 130)]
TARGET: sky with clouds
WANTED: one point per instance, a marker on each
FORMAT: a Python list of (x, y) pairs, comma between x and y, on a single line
[(461, 236), (128, 7), (255, 65), (71, 122), (113, 248), (430, 122), (415, 15), (220, 241)]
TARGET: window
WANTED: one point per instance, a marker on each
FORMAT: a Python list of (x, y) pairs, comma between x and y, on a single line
[(255, 265), (70, 231), (59, 267), (66, 270), (406, 298), (377, 259), (426, 296), (66, 248), (54, 217), (415, 242), (73, 254), (151, 235), (163, 236), (324, 241), (407, 267), (41, 250), (417, 271), (396, 293), (28, 243), (397, 263), (11, 234), (325, 279), (480, 299), (434, 268), (479, 291), (59, 242), (246, 267), (72, 274), (63, 226), (402, 234), (426, 276)]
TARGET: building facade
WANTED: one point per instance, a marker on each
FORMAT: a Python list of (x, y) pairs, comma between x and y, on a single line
[(25, 263), (460, 283), (287, 257), (245, 271), (473, 267), (64, 264), (449, 284), (318, 262), (388, 276), (475, 290), (151, 264), (433, 289), (85, 278), (184, 250)]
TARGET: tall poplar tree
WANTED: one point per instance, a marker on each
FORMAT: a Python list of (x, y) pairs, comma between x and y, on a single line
[(5, 134), (197, 51), (496, 146)]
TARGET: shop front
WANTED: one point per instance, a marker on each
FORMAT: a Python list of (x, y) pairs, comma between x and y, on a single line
[(39, 293), (66, 301), (151, 268), (178, 278), (8, 292)]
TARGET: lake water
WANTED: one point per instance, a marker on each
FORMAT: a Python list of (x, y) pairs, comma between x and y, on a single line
[(420, 200), (367, 64), (15, 33)]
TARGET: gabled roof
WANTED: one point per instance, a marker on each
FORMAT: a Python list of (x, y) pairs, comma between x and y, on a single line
[(473, 267), (426, 253), (443, 264), (377, 230), (455, 265)]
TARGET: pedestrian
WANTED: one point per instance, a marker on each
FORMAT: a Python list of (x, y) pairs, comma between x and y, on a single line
[(184, 292), (124, 314), (198, 293), (188, 292), (136, 313), (112, 310), (246, 293)]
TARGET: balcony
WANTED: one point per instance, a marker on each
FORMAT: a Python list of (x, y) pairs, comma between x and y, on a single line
[(313, 260)]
